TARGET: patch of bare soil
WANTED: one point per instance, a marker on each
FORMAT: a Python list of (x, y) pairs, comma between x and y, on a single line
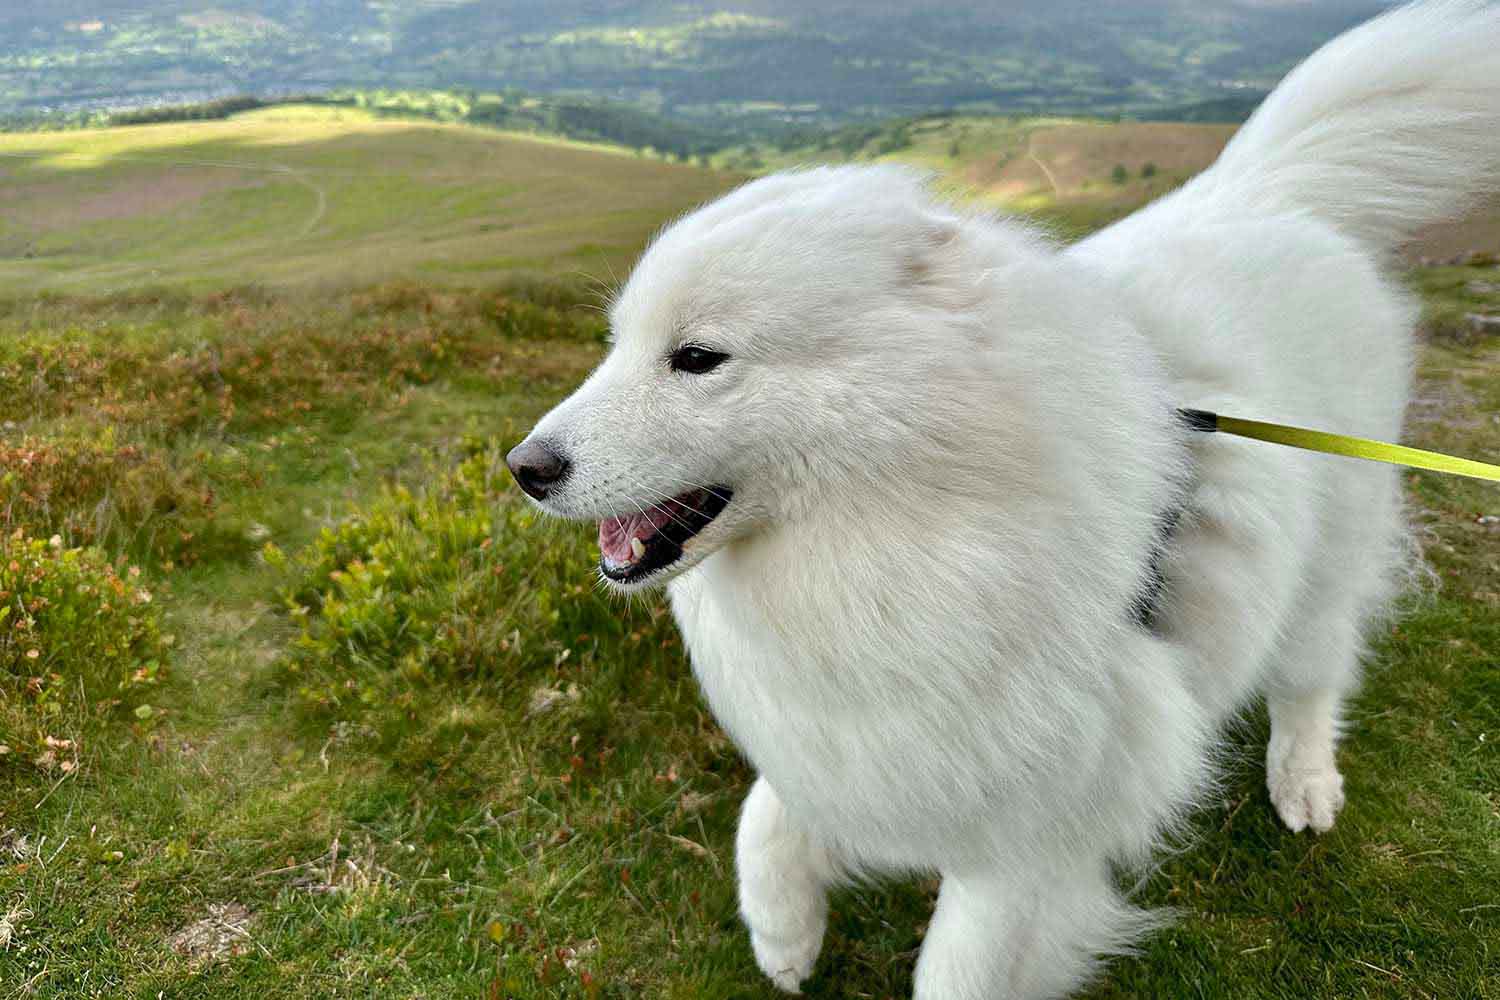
[(1075, 162), (1067, 159), (1478, 232), (1080, 154)]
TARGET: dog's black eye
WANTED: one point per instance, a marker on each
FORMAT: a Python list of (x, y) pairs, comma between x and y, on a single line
[(695, 360)]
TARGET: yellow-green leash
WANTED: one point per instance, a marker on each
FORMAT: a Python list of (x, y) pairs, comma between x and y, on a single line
[(1340, 444)]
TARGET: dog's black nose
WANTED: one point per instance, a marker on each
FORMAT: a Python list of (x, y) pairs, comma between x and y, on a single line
[(537, 467)]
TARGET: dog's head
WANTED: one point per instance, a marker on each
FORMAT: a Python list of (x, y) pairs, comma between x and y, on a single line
[(767, 354)]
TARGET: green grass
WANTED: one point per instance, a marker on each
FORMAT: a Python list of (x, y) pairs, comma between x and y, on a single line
[(313, 195), (402, 733)]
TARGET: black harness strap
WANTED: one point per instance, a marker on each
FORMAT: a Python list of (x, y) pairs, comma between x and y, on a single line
[(1146, 605)]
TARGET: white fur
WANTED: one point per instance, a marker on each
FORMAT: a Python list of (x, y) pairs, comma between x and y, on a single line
[(949, 443)]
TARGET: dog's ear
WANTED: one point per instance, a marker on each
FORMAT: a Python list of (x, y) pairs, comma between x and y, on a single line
[(938, 264), (929, 249)]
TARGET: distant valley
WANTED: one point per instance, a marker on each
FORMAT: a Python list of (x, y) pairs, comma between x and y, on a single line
[(759, 64)]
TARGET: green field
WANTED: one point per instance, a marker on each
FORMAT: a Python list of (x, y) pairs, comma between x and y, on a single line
[(311, 195), (298, 698)]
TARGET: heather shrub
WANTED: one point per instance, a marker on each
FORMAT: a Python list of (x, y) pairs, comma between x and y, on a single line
[(455, 582), (93, 490), (238, 365), (78, 639)]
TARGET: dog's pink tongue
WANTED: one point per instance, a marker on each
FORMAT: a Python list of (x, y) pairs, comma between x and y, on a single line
[(615, 534), (614, 538)]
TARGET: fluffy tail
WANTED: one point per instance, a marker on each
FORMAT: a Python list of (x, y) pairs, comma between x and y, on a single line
[(1388, 128)]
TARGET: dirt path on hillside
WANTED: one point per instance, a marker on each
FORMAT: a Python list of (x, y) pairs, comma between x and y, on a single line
[(320, 206), (1046, 170)]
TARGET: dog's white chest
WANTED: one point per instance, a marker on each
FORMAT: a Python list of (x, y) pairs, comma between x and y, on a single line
[(851, 753)]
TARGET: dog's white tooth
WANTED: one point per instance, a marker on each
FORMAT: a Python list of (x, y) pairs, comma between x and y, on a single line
[(636, 548)]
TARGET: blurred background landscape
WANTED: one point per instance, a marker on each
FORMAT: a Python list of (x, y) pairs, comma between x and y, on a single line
[(762, 63), (299, 698)]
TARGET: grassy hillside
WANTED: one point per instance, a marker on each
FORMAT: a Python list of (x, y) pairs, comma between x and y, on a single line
[(1073, 174), (306, 195), (299, 698)]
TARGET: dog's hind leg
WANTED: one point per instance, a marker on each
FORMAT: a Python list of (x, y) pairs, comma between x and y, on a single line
[(1301, 775), (1024, 935), (1315, 665), (784, 877)]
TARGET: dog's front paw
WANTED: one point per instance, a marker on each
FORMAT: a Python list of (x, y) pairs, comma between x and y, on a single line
[(784, 875), (787, 961), (1306, 796)]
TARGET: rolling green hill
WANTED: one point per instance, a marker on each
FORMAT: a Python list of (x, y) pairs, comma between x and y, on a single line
[(307, 195), (1072, 174), (296, 194)]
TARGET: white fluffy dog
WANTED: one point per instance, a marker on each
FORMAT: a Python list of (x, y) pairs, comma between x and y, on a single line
[(969, 595)]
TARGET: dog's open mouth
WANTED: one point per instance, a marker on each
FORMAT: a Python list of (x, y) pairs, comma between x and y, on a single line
[(633, 546)]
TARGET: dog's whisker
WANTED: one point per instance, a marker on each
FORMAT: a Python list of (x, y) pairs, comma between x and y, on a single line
[(663, 508), (705, 488), (669, 499)]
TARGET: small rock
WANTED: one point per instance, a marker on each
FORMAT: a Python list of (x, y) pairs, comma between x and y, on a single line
[(1483, 287)]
